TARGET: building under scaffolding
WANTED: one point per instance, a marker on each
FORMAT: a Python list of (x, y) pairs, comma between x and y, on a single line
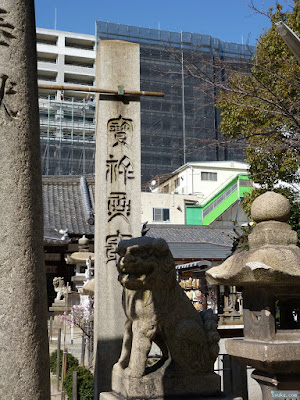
[(184, 125), (67, 119), (67, 137), (180, 128)]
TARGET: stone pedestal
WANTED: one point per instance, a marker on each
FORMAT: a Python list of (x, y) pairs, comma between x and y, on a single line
[(113, 396), (278, 385), (155, 386), (271, 357), (58, 308)]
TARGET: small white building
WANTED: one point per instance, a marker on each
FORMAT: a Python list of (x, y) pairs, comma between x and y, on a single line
[(199, 193), (159, 208)]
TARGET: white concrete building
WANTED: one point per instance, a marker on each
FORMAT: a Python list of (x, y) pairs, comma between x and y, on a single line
[(169, 208), (65, 58), (200, 178), (66, 118), (198, 193)]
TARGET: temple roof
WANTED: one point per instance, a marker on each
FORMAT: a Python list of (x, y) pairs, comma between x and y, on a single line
[(69, 205)]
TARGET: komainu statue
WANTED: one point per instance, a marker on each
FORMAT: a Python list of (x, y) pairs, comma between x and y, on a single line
[(158, 310), (60, 288)]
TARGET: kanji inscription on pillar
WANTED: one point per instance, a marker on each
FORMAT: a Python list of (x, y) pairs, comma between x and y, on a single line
[(116, 167), (122, 129), (118, 205), (117, 193), (6, 29), (7, 88), (112, 242)]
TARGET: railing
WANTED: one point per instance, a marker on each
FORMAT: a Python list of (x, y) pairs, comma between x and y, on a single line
[(67, 137), (220, 199), (47, 42)]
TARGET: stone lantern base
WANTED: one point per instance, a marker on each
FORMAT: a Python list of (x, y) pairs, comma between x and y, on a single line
[(271, 357), (278, 385), (277, 365)]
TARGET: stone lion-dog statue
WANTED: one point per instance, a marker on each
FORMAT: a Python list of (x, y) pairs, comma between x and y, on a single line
[(60, 288), (158, 310)]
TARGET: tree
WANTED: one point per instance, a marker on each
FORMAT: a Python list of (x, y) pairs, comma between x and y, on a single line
[(263, 107), (259, 99), (82, 317)]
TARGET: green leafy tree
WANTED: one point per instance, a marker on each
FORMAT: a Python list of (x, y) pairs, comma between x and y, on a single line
[(259, 101), (71, 361), (263, 108), (85, 383)]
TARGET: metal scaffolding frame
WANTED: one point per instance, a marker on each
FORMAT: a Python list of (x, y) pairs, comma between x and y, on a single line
[(67, 132)]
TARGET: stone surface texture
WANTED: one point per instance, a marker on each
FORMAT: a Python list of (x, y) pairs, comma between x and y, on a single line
[(270, 206), (24, 354), (271, 357), (113, 396), (273, 256), (158, 310), (117, 194)]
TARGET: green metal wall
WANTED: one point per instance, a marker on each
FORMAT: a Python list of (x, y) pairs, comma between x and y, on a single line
[(194, 214)]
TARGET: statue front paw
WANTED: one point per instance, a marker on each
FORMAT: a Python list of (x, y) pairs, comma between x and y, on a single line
[(118, 368), (134, 373)]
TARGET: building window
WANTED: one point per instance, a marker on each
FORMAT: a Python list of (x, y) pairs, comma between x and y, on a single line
[(166, 189), (209, 176), (161, 214), (177, 182)]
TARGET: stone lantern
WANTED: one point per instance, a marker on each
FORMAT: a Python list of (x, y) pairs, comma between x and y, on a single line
[(83, 259), (270, 276)]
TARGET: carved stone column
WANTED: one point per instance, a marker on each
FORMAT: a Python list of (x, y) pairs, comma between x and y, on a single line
[(24, 354), (118, 192)]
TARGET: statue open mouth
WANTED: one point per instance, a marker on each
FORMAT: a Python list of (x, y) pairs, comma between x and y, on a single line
[(133, 272), (132, 281)]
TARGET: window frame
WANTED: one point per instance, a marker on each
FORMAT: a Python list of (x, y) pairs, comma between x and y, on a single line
[(160, 214), (209, 175)]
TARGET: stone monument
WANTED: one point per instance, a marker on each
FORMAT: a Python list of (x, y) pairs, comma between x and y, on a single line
[(24, 353), (270, 276), (117, 193), (158, 310)]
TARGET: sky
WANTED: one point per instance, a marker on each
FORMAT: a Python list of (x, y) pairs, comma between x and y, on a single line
[(228, 20)]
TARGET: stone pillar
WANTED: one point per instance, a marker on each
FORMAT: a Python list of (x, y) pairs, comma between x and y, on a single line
[(118, 187), (24, 354)]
